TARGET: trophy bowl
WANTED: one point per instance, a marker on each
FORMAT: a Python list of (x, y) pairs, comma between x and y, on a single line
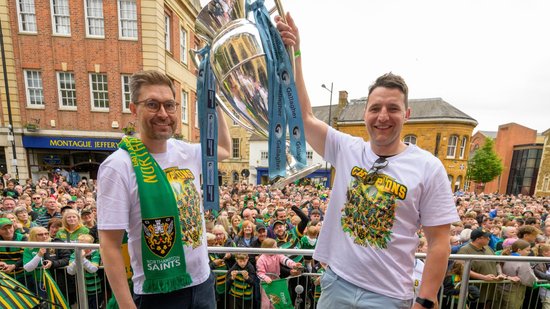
[(239, 65)]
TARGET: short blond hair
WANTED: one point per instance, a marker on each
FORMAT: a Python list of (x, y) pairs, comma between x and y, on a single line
[(86, 238)]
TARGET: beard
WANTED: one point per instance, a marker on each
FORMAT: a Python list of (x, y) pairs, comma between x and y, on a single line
[(157, 129)]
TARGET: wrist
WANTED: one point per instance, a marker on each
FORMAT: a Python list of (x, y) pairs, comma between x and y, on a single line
[(425, 302)]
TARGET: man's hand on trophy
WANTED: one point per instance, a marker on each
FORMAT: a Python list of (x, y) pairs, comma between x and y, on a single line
[(289, 31)]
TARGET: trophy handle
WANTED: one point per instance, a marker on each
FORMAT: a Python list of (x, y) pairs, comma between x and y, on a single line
[(195, 58)]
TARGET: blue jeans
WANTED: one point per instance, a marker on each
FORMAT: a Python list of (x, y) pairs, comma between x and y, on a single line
[(338, 293), (200, 296)]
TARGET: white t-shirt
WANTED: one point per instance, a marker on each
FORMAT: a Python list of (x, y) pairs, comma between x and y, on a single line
[(118, 205), (369, 232)]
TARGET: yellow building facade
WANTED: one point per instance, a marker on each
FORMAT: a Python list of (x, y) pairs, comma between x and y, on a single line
[(435, 126)]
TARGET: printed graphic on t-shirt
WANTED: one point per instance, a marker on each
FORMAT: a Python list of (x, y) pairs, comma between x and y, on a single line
[(188, 200), (369, 212)]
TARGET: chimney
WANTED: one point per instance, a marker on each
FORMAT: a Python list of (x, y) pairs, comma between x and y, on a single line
[(342, 99)]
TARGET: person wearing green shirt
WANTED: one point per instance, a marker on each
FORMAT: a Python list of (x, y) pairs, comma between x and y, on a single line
[(91, 261), (11, 258), (72, 226), (34, 261)]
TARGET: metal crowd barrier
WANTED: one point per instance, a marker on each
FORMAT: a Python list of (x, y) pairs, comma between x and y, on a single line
[(461, 302)]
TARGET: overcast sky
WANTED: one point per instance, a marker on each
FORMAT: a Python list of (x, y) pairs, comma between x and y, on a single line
[(490, 58)]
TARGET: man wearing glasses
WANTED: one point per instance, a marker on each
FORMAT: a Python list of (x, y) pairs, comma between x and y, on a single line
[(120, 206), (384, 191)]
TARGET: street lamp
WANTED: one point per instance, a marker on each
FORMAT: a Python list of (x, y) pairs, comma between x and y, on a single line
[(11, 135), (329, 117)]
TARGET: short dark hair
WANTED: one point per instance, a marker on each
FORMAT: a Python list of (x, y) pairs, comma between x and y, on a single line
[(527, 229), (56, 222), (145, 78), (391, 81)]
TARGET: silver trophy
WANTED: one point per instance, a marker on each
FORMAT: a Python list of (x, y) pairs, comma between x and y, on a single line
[(239, 65)]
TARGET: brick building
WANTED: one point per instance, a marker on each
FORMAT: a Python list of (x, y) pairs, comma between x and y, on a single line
[(543, 179), (68, 65), (434, 125), (521, 150)]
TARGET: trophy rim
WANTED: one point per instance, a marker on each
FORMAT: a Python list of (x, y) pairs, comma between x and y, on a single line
[(281, 182)]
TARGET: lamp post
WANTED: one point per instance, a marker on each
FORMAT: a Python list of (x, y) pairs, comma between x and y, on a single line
[(11, 135), (329, 119)]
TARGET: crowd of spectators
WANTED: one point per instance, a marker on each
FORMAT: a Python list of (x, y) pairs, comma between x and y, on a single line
[(53, 209), (49, 210)]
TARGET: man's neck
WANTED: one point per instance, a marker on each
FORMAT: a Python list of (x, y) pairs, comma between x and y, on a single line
[(389, 150), (155, 146)]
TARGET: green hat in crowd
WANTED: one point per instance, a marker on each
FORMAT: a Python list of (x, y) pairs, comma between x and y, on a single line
[(4, 222)]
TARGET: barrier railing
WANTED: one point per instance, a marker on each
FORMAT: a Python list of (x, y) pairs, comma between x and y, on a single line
[(462, 297)]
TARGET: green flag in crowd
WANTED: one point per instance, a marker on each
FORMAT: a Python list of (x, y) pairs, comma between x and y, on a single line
[(277, 292), (14, 295), (54, 293)]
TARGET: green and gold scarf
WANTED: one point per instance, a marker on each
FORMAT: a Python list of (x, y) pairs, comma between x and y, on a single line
[(162, 252)]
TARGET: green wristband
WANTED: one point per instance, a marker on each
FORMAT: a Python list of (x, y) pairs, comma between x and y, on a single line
[(297, 54)]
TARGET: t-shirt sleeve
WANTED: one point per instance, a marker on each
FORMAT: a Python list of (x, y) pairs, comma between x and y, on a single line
[(113, 196), (436, 204), (336, 141)]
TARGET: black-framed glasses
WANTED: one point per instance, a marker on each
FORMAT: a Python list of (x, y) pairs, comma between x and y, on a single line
[(372, 175), (153, 106)]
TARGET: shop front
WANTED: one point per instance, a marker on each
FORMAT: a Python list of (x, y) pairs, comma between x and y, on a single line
[(49, 154)]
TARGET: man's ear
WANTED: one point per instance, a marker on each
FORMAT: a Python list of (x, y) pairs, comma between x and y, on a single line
[(408, 114), (133, 109)]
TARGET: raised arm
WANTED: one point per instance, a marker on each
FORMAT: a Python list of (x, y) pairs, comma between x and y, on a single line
[(315, 129), (224, 138)]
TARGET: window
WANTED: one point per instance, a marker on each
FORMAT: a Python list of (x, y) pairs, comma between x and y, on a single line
[(127, 19), (546, 184), (66, 88), (451, 146), (236, 148), (183, 45), (94, 18), (167, 21), (61, 21), (264, 155), (410, 139), (35, 91), (309, 155), (463, 146), (458, 182), (99, 92), (126, 97), (185, 108), (27, 16)]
